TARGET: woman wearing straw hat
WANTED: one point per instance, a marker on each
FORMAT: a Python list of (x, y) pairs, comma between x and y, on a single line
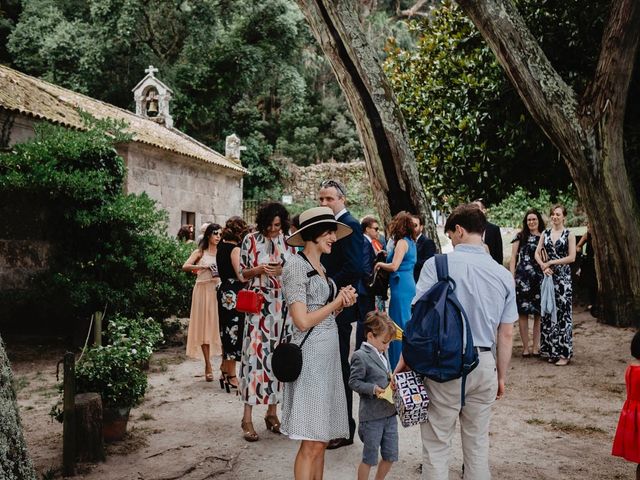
[(314, 407)]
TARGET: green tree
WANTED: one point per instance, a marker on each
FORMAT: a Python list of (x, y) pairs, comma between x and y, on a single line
[(107, 247)]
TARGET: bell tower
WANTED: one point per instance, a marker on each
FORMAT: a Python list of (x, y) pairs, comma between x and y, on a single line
[(152, 98)]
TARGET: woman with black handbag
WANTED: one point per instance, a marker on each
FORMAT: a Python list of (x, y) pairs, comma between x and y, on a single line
[(314, 406), (231, 321)]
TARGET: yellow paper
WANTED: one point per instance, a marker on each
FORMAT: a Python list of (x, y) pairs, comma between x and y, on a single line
[(399, 332), (387, 394)]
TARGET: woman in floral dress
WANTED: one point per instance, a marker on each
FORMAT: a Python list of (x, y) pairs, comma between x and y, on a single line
[(555, 253), (528, 276), (231, 321), (262, 256)]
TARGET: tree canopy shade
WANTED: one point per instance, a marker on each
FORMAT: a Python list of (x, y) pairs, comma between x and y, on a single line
[(588, 132)]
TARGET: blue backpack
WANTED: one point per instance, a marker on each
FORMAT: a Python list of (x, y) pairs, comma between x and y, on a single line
[(437, 341)]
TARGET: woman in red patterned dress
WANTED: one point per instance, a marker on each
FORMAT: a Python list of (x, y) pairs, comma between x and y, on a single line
[(262, 257)]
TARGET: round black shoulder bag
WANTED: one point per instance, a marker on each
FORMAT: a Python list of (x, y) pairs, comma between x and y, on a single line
[(286, 361)]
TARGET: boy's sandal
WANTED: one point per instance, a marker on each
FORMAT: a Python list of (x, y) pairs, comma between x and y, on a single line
[(249, 432)]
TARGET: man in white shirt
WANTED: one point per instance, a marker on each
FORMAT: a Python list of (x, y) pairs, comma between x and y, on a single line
[(487, 294)]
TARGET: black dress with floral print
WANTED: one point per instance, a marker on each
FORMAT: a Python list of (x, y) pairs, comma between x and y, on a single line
[(528, 276), (556, 340), (231, 321)]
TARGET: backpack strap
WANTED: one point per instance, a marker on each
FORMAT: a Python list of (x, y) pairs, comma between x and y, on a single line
[(442, 266)]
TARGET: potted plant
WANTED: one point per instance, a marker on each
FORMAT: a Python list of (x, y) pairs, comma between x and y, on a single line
[(113, 372), (141, 335)]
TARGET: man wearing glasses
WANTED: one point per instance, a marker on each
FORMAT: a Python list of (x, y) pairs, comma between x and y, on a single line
[(345, 265)]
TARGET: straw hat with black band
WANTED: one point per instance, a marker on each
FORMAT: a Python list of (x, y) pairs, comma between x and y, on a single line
[(316, 216)]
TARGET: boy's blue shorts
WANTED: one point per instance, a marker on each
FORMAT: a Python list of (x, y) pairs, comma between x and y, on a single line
[(379, 434)]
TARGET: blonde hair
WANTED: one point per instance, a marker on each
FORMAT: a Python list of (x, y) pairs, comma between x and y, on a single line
[(379, 324)]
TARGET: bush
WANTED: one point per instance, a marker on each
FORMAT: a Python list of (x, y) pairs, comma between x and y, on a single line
[(112, 371), (108, 248), (510, 211), (140, 335)]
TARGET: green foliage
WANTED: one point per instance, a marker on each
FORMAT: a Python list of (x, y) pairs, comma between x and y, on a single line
[(140, 335), (114, 373), (239, 66), (510, 211), (471, 135), (108, 248)]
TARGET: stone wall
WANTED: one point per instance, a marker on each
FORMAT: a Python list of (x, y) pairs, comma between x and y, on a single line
[(20, 260), (183, 184), (303, 183)]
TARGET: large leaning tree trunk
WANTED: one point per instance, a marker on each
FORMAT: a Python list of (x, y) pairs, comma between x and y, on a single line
[(390, 161), (587, 131), (14, 460)]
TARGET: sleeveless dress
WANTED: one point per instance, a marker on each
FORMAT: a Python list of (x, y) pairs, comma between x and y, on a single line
[(231, 321), (528, 276), (626, 443), (556, 340), (403, 289), (203, 319), (262, 331), (314, 407)]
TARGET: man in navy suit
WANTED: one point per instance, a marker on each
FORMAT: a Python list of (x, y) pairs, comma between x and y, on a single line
[(492, 237), (345, 266), (366, 299), (425, 247)]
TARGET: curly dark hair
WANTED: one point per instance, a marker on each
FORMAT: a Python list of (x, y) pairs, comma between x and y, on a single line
[(204, 241), (402, 226), (235, 229), (635, 346), (523, 235), (267, 212), (185, 233)]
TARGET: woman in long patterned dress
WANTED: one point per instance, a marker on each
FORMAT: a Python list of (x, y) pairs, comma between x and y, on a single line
[(204, 333), (558, 245), (401, 260), (528, 276), (262, 256), (231, 321), (314, 407)]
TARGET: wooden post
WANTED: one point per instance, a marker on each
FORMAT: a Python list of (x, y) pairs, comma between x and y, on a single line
[(97, 328), (69, 423), (89, 441)]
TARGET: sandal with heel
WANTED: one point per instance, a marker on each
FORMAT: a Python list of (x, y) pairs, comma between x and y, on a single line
[(248, 432), (273, 423)]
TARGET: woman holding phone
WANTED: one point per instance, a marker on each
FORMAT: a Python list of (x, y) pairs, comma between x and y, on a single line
[(262, 257)]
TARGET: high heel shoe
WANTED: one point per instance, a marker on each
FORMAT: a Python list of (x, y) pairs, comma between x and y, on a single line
[(208, 375), (222, 380), (273, 423), (228, 383), (248, 432)]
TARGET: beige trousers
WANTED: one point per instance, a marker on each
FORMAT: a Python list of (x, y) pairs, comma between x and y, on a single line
[(444, 410)]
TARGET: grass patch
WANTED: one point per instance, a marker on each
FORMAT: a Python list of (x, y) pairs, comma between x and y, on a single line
[(535, 421), (20, 383), (617, 389), (146, 416)]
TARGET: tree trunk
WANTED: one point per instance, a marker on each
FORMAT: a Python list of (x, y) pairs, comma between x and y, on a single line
[(89, 441), (588, 133), (390, 161), (14, 459)]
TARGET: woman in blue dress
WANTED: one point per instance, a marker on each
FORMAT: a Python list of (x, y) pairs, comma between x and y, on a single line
[(401, 260)]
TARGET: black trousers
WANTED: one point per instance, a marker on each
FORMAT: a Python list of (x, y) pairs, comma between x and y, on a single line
[(366, 304), (344, 322)]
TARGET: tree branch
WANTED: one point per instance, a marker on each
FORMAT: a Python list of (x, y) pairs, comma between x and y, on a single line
[(413, 11), (549, 99), (610, 86)]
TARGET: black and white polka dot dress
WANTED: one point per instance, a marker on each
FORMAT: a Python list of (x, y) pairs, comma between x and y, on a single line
[(314, 407)]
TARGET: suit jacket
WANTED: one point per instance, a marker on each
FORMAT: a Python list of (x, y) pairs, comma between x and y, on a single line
[(425, 249), (493, 240), (345, 263), (368, 261), (367, 371)]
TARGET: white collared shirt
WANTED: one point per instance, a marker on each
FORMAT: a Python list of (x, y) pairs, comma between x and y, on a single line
[(382, 356), (341, 212)]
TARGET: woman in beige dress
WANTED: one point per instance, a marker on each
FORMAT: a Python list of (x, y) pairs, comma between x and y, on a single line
[(204, 331)]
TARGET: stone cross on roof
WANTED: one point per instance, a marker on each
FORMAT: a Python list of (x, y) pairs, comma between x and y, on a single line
[(151, 70)]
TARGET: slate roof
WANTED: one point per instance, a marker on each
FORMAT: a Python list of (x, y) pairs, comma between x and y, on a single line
[(42, 100)]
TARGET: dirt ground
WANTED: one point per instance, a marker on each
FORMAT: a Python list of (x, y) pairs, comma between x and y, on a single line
[(554, 423)]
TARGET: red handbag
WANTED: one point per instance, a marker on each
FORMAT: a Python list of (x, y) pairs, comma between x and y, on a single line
[(249, 301)]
